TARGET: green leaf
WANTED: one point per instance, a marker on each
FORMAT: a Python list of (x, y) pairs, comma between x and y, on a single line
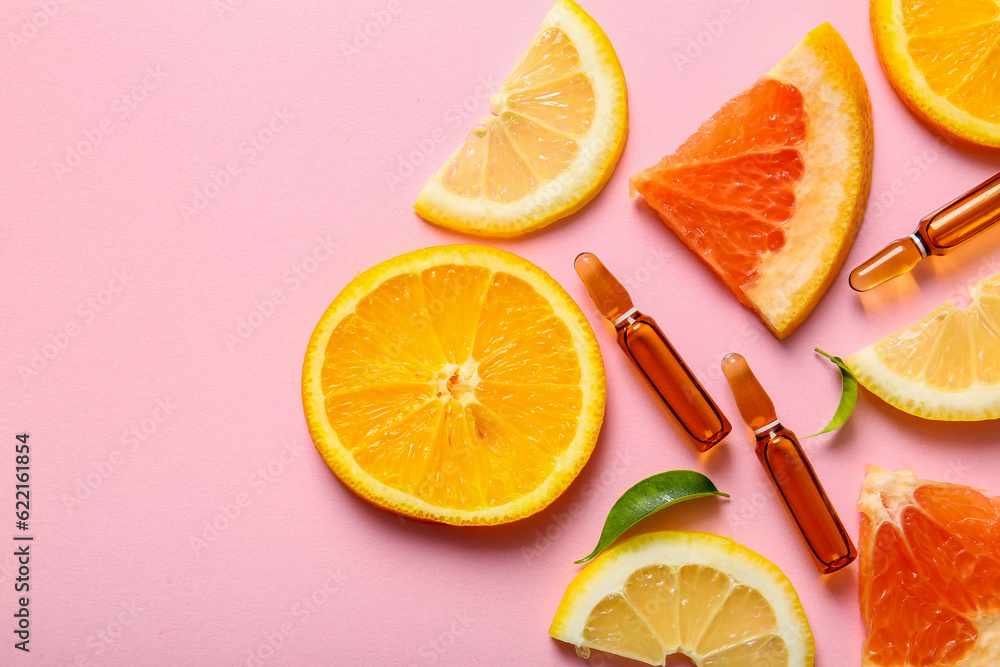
[(848, 395), (649, 496)]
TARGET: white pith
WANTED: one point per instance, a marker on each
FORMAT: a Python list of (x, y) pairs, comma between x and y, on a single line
[(832, 153), (458, 382)]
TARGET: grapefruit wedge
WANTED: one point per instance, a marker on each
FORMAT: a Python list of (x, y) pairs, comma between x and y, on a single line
[(770, 191), (930, 572)]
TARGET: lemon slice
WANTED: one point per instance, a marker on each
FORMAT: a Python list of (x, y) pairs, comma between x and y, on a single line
[(946, 366), (942, 58), (458, 384), (557, 128), (705, 596)]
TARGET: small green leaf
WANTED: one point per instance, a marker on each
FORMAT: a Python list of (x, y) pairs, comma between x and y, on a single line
[(848, 395), (649, 496)]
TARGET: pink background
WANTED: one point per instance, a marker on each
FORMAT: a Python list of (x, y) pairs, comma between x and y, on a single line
[(125, 312)]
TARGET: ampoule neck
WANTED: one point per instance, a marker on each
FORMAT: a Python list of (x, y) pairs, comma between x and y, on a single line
[(628, 318), (924, 247), (769, 431)]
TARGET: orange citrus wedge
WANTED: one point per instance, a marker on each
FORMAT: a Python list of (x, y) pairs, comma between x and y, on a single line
[(930, 572), (557, 128), (458, 384), (696, 594), (946, 366), (943, 58), (770, 191)]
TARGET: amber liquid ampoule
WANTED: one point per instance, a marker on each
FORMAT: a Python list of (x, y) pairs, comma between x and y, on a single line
[(937, 234), (781, 454), (654, 356)]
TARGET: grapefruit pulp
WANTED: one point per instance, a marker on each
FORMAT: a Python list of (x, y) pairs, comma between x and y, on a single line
[(930, 572), (770, 191)]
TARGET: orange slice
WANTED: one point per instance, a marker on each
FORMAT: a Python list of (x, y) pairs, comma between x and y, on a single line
[(946, 366), (770, 191), (557, 128), (943, 58), (930, 572), (458, 384)]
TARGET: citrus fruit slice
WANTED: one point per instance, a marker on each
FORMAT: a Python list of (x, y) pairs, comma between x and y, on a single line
[(557, 128), (946, 366), (930, 572), (941, 56), (770, 191), (697, 594), (458, 384)]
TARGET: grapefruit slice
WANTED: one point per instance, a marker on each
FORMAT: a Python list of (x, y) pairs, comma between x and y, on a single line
[(770, 191), (942, 58), (946, 366), (458, 384), (557, 129), (930, 572), (695, 594)]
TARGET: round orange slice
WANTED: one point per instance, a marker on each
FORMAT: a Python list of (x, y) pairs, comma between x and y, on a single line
[(458, 384), (770, 191), (943, 59)]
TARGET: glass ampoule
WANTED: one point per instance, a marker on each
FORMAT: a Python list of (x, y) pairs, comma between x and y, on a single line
[(782, 456), (937, 234), (655, 358)]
